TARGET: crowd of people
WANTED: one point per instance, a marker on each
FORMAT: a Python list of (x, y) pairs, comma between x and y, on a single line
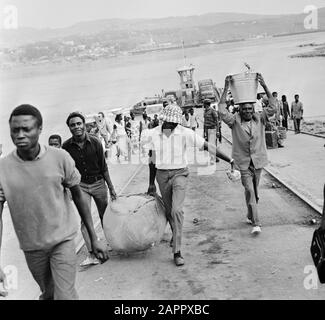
[(277, 123), (125, 132), (283, 113), (76, 170)]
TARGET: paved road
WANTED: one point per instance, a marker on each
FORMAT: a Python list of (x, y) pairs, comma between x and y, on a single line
[(223, 260), (300, 165)]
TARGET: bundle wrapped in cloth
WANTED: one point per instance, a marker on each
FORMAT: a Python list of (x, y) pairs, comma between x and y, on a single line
[(134, 222)]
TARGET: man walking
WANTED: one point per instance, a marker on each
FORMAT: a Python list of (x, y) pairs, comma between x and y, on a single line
[(170, 142), (193, 120), (211, 126), (249, 148), (103, 128), (277, 115), (33, 181), (88, 154), (258, 104), (297, 111), (186, 122), (285, 111)]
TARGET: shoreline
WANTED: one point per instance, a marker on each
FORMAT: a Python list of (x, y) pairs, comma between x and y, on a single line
[(79, 61), (311, 126)]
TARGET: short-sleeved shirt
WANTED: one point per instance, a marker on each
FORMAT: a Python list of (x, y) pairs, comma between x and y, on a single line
[(171, 152), (186, 123), (37, 198), (120, 128), (258, 106), (193, 121), (90, 160), (103, 127), (296, 109)]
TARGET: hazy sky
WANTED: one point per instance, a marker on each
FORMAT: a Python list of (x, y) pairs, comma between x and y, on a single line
[(62, 13)]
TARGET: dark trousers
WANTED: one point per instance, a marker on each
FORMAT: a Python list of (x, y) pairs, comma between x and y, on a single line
[(296, 122), (97, 191), (285, 122)]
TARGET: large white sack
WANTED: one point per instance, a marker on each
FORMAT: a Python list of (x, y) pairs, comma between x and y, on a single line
[(134, 223)]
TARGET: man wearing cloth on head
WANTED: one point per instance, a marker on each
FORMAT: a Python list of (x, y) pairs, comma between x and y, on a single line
[(88, 154), (170, 142), (249, 148), (33, 181)]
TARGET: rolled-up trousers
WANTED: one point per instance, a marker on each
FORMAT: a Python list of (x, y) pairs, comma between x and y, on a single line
[(99, 192), (172, 185), (250, 179), (296, 123)]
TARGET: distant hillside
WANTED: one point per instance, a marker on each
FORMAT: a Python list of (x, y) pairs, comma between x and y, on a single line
[(212, 26)]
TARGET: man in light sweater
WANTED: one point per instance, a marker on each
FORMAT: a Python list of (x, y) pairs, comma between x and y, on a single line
[(33, 181)]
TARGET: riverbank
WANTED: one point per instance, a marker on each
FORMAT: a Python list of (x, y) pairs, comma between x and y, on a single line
[(123, 81), (312, 126), (319, 51)]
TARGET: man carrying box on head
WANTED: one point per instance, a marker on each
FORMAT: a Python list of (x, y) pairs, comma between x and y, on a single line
[(249, 148)]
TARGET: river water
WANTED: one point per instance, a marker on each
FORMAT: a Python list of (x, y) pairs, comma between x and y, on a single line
[(59, 89)]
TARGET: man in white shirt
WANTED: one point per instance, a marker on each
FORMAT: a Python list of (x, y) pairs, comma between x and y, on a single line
[(170, 141), (193, 120), (186, 122), (259, 103)]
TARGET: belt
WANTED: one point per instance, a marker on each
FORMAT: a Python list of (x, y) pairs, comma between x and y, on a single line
[(91, 179)]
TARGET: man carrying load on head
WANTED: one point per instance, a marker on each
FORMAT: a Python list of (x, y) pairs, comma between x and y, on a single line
[(249, 148), (170, 142)]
